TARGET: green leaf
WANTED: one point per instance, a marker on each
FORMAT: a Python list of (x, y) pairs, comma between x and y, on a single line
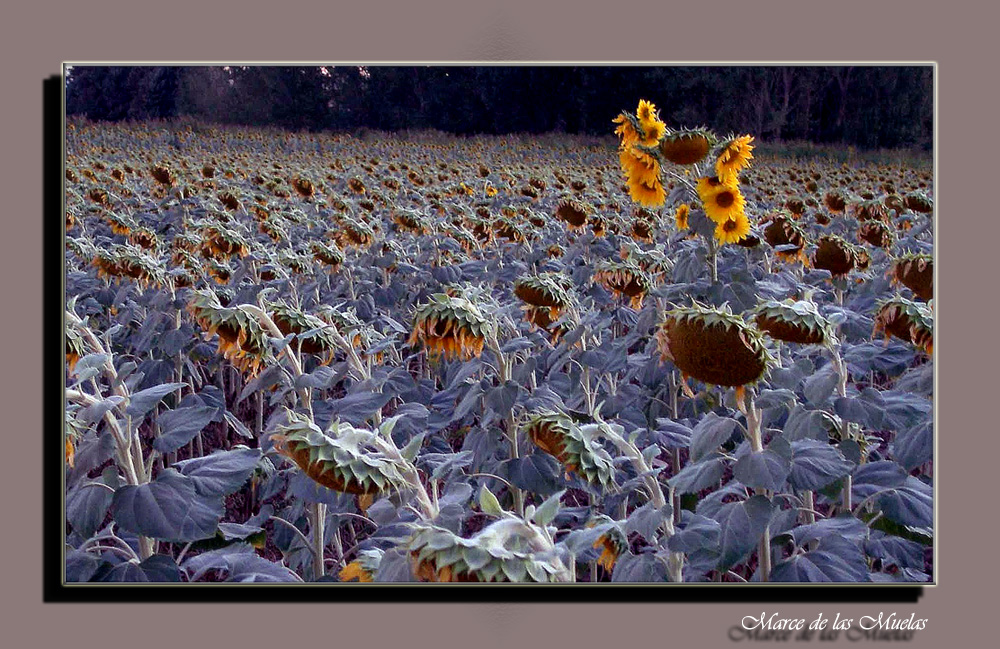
[(547, 511), (488, 503)]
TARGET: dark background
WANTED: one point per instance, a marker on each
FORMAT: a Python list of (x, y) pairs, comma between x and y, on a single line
[(863, 106)]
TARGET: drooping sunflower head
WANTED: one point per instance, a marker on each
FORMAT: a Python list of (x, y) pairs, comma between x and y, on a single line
[(76, 348), (835, 201), (915, 271), (909, 321), (120, 223), (218, 241), (687, 146), (550, 290), (303, 187), (577, 448), (574, 212), (835, 255), (612, 543), (163, 175), (242, 339), (503, 551), (624, 279), (735, 154), (793, 321), (871, 210), (876, 233), (787, 237), (364, 568), (354, 233), (410, 221), (230, 201), (918, 201), (652, 261), (343, 458), (713, 345), (327, 253), (357, 185), (360, 334), (311, 334), (451, 326)]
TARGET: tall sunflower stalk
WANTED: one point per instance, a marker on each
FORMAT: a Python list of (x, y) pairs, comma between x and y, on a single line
[(382, 442), (649, 152), (128, 448)]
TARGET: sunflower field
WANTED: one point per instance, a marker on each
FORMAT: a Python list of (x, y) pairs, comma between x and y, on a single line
[(666, 355)]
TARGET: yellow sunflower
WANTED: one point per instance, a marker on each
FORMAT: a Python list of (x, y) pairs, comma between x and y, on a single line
[(647, 195), (355, 572), (735, 156), (640, 166), (642, 173), (625, 131), (723, 203), (653, 129), (709, 184), (681, 217), (733, 229)]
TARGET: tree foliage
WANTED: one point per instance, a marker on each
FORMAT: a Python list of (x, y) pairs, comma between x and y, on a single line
[(864, 106)]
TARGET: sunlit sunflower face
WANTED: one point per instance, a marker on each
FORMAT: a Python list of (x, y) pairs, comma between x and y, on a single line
[(734, 158), (681, 217), (732, 230), (653, 128), (723, 204)]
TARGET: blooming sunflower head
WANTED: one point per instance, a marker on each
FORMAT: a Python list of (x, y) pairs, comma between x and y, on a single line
[(735, 154), (681, 216), (733, 229), (722, 202), (652, 128), (713, 345), (642, 176)]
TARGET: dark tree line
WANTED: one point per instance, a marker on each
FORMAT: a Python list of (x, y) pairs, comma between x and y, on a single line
[(864, 106)]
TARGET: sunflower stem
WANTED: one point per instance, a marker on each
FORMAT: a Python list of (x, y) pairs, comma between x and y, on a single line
[(317, 514), (808, 507)]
